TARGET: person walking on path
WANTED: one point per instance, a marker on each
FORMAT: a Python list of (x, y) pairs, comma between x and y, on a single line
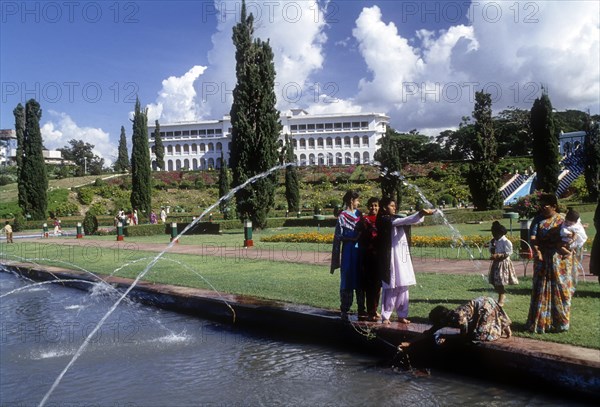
[(502, 271), (550, 306), (163, 215), (348, 259), (57, 228), (7, 229), (369, 270), (395, 263)]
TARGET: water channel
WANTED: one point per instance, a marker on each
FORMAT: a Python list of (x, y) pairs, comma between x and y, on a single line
[(143, 356)]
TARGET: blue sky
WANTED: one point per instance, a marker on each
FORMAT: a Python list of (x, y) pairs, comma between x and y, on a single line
[(420, 62)]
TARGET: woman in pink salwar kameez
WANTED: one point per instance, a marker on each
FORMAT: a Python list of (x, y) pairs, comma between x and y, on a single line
[(395, 262)]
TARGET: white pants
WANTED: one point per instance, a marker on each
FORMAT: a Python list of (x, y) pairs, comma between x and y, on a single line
[(394, 299)]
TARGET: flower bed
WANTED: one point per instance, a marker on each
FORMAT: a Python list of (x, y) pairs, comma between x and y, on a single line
[(417, 241)]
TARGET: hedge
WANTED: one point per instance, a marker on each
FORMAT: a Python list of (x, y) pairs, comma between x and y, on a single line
[(144, 230), (200, 228)]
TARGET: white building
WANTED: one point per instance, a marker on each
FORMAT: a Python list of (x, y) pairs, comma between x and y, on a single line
[(325, 139), (8, 146)]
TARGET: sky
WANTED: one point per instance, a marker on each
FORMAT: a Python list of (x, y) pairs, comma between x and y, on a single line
[(419, 62)]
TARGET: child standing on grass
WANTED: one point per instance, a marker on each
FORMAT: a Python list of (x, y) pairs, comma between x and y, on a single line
[(502, 271), (348, 261)]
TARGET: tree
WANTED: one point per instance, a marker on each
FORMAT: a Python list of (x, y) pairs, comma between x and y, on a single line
[(159, 147), (513, 133), (122, 163), (19, 114), (591, 149), (224, 187), (33, 173), (292, 189), (458, 144), (389, 160), (254, 121), (141, 181), (545, 145), (484, 176), (82, 154)]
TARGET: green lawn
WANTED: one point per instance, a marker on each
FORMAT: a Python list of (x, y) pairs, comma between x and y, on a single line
[(313, 285)]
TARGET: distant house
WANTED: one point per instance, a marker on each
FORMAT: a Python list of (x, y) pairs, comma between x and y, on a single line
[(8, 151)]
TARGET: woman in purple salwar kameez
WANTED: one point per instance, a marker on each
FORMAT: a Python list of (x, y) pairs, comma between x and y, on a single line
[(395, 262)]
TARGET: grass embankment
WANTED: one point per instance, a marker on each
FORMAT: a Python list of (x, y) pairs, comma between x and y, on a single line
[(310, 284)]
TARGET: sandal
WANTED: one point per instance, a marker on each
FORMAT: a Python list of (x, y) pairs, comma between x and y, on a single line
[(404, 321), (386, 322)]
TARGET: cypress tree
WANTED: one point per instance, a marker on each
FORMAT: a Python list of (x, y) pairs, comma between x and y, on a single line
[(224, 187), (484, 176), (122, 163), (591, 150), (545, 145), (255, 122), (33, 174), (292, 189), (388, 156), (141, 181), (19, 114), (159, 147)]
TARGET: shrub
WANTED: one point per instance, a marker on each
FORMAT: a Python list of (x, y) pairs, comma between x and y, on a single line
[(65, 209), (7, 179), (98, 208), (99, 182), (85, 196), (527, 206), (144, 230), (90, 223), (19, 223)]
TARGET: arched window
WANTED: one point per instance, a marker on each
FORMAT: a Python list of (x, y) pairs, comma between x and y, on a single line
[(219, 146), (366, 158), (321, 159), (202, 164), (320, 142), (170, 165), (211, 161), (186, 164), (170, 149), (338, 142), (211, 147), (302, 159), (302, 143), (178, 165), (311, 143), (330, 159), (356, 141), (186, 149), (154, 165), (194, 148), (329, 142), (177, 148), (295, 143), (218, 162), (338, 159), (357, 158), (346, 141), (347, 158), (311, 159), (195, 163), (365, 141)]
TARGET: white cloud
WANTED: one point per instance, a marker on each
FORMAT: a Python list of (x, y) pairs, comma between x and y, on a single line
[(429, 81), (176, 100), (58, 131)]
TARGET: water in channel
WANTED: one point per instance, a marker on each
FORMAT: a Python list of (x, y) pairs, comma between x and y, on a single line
[(143, 356)]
